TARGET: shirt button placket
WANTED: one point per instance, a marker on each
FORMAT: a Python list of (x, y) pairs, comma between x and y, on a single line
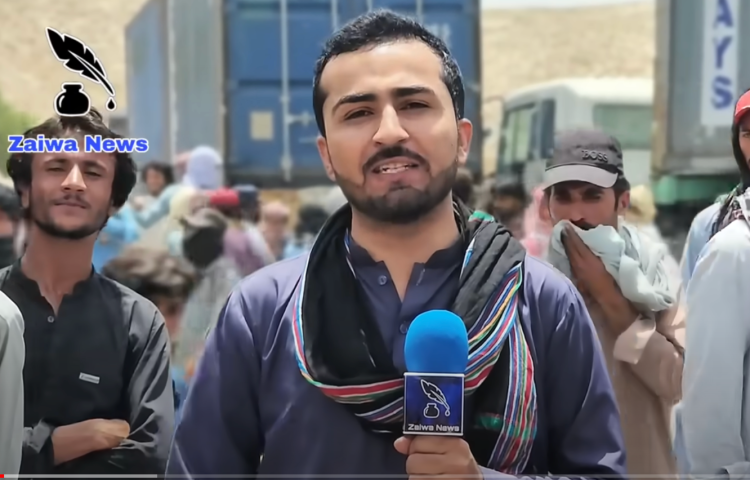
[(50, 319)]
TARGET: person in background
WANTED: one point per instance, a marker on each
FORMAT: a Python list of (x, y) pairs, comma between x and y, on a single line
[(387, 95), (203, 247), (10, 225), (506, 203), (97, 395), (250, 205), (202, 173), (464, 188), (165, 280), (157, 176), (12, 356), (622, 276), (274, 224), (310, 219), (238, 245), (711, 219), (166, 234), (120, 231), (179, 164), (715, 416), (537, 225), (508, 200)]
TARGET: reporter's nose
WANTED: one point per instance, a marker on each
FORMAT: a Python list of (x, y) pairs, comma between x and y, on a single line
[(390, 131)]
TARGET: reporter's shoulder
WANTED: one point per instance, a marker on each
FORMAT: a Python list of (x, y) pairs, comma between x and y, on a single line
[(278, 278), (264, 293), (549, 293), (546, 280)]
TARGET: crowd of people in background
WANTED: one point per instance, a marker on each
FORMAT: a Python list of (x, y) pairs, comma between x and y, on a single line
[(190, 235)]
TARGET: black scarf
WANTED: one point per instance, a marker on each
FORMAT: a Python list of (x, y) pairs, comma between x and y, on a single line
[(335, 313)]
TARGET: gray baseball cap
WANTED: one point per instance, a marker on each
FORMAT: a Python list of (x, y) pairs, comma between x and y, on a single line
[(589, 156)]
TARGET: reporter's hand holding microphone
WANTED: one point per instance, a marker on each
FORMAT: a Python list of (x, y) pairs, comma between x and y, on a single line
[(436, 353)]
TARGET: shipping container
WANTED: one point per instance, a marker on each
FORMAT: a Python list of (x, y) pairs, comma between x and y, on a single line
[(700, 71), (237, 75)]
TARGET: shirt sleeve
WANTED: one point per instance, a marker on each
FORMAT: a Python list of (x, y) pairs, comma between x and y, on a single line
[(12, 356), (585, 436), (151, 402), (653, 347), (222, 404), (717, 344)]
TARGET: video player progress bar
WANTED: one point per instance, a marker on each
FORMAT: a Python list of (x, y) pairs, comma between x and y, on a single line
[(78, 476)]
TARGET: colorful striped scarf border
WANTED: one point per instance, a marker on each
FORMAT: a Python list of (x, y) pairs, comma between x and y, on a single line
[(498, 322)]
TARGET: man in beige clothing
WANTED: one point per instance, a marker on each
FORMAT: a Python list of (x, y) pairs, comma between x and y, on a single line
[(613, 266), (12, 355)]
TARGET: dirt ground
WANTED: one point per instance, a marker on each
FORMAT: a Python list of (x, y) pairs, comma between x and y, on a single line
[(520, 47)]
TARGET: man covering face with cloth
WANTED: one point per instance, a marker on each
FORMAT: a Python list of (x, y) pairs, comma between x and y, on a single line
[(622, 275)]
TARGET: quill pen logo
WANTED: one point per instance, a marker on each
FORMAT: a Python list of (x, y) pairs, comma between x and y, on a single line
[(434, 393), (73, 101)]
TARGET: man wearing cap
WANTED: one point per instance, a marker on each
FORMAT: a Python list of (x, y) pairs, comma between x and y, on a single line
[(715, 417), (622, 276)]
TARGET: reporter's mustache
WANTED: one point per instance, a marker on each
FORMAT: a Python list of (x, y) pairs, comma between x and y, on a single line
[(393, 152)]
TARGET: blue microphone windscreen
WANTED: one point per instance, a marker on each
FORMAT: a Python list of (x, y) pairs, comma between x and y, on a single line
[(436, 342)]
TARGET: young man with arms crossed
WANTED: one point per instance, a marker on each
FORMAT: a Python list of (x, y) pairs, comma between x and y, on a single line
[(97, 390)]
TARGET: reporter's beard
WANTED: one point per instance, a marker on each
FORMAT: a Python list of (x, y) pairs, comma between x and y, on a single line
[(403, 211)]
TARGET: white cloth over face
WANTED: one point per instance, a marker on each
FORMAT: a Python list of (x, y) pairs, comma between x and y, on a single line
[(635, 263)]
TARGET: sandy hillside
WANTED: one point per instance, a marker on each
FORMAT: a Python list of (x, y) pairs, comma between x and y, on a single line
[(520, 47)]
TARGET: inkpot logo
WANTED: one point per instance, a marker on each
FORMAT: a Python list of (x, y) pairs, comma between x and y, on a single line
[(73, 101)]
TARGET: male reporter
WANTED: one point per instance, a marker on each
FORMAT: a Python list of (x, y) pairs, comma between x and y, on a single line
[(305, 366)]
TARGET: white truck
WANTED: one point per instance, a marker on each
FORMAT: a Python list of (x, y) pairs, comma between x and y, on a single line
[(622, 107)]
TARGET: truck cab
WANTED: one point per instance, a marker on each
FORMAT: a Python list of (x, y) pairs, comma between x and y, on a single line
[(621, 107)]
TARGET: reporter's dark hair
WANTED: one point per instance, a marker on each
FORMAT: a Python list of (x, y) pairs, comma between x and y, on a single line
[(377, 28), (19, 164), (151, 273)]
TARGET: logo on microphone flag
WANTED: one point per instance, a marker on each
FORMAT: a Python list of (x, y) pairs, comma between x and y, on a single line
[(433, 404)]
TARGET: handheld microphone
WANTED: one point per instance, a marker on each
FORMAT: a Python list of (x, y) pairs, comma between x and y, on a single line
[(436, 352)]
